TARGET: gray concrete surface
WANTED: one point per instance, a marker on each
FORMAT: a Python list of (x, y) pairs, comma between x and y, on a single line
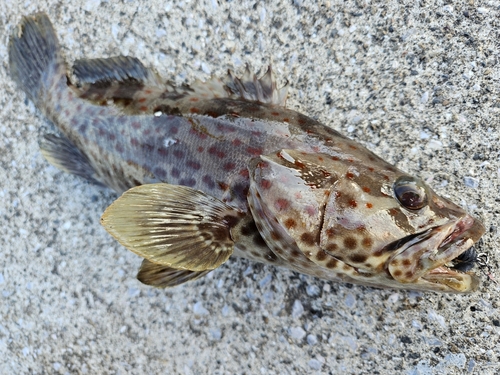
[(415, 81)]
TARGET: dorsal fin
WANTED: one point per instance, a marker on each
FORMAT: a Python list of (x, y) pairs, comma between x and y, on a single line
[(108, 70), (263, 89), (119, 79), (126, 82)]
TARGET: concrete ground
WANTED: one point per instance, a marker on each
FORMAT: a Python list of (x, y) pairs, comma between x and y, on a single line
[(417, 83)]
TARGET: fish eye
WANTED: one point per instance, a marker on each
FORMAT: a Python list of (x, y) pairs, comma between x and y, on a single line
[(410, 192)]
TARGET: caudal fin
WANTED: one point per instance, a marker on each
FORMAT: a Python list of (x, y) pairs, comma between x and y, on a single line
[(34, 55)]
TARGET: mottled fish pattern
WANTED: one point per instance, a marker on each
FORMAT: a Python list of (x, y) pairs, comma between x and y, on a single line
[(223, 168)]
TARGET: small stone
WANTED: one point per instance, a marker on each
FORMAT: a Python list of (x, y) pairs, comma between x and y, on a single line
[(312, 339), (215, 334), (314, 364), (198, 309), (471, 182), (471, 365), (424, 135), (265, 281), (312, 290), (297, 333), (457, 360), (350, 300), (437, 318), (297, 309), (425, 97)]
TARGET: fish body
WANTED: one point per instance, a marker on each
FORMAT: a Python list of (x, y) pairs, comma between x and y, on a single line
[(223, 167)]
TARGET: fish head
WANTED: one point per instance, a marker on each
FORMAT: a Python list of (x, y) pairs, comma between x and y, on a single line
[(369, 222)]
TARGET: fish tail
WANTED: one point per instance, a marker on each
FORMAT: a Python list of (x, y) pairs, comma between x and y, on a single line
[(35, 58)]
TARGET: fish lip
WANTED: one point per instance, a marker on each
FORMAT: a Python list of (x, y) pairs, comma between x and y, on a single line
[(433, 250), (462, 236)]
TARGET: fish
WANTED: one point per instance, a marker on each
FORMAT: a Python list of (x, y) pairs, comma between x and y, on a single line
[(223, 168)]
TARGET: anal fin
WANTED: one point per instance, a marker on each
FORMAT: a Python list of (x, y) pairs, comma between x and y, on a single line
[(174, 226), (64, 155), (159, 276)]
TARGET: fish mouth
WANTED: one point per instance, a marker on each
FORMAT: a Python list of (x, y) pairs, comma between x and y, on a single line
[(440, 258)]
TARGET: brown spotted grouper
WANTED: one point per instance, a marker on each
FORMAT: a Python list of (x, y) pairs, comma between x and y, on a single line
[(223, 167)]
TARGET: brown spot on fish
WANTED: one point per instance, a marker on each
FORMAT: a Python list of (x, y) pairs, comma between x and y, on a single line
[(254, 151), (307, 238), (216, 152), (193, 165), (265, 184), (179, 154), (330, 232), (290, 223), (353, 203), (406, 262), (350, 243), (275, 236), (332, 247), (207, 180), (194, 110), (321, 255), (236, 142), (367, 242), (258, 240), (281, 204), (358, 258), (223, 186), (332, 263), (369, 205), (229, 166), (350, 175), (175, 173), (366, 189)]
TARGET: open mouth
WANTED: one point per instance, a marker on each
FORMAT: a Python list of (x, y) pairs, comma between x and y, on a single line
[(458, 257), (441, 257)]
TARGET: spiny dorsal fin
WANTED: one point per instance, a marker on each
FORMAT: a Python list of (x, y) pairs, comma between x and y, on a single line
[(159, 276), (263, 89), (173, 225), (63, 154), (126, 82)]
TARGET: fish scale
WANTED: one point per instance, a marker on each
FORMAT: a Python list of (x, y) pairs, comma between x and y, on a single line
[(223, 168)]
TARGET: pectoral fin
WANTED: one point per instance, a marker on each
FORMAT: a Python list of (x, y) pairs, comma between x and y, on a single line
[(165, 277), (174, 226)]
